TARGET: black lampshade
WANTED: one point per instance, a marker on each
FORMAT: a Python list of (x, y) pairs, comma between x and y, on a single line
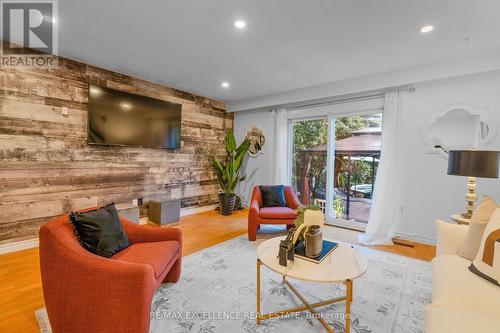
[(473, 163)]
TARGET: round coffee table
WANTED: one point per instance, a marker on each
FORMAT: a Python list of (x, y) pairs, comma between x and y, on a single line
[(343, 265)]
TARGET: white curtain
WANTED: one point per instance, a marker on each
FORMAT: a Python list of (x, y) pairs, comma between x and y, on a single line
[(281, 148), (386, 203)]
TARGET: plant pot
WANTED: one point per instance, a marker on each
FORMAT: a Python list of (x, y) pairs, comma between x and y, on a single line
[(237, 203), (226, 203)]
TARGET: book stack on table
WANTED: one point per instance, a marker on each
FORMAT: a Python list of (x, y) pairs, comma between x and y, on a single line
[(328, 247)]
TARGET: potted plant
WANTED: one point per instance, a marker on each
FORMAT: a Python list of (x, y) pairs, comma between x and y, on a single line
[(228, 171)]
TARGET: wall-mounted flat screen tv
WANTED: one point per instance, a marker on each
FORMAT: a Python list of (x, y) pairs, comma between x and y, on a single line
[(118, 118)]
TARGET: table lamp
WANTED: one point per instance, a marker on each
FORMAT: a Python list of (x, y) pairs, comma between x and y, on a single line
[(472, 164)]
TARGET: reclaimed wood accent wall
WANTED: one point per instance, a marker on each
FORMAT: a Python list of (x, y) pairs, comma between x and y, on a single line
[(48, 169)]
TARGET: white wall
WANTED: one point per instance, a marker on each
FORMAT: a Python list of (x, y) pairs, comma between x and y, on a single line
[(429, 192), (259, 169)]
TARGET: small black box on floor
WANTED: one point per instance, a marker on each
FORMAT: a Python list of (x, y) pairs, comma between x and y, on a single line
[(165, 212)]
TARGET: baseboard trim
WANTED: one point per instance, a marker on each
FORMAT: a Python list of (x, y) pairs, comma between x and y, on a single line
[(195, 210), (415, 238), (18, 246), (400, 235)]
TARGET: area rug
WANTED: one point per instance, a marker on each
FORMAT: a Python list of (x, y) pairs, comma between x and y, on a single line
[(216, 293)]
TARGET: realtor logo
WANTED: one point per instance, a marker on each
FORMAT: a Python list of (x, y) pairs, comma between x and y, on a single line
[(29, 34)]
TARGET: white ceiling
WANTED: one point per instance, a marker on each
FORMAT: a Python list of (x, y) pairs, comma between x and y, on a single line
[(287, 44)]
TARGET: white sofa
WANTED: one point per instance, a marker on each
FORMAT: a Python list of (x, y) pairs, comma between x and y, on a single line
[(461, 300)]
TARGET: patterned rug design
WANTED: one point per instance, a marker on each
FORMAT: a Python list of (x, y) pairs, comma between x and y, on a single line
[(216, 294)]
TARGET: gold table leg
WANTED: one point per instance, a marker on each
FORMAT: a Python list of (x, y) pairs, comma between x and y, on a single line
[(258, 291), (348, 291), (307, 306)]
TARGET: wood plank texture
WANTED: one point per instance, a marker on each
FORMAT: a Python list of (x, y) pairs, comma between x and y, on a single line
[(47, 168)]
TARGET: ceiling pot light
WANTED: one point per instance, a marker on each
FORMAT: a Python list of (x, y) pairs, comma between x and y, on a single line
[(426, 29), (240, 24), (95, 91), (125, 105), (225, 84)]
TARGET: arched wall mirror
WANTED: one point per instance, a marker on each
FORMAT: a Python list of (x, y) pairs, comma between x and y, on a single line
[(458, 126)]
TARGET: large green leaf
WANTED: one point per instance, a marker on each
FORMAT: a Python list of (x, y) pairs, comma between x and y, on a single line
[(230, 141), (217, 165), (242, 150), (244, 146), (237, 163), (230, 168), (240, 154), (220, 170)]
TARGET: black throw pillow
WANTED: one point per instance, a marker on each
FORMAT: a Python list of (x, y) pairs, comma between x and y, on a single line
[(100, 231), (273, 196)]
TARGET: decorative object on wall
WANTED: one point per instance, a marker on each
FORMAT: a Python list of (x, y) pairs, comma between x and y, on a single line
[(257, 140), (472, 163), (228, 172), (458, 126)]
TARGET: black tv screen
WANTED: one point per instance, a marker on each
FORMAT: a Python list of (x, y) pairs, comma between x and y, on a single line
[(124, 119)]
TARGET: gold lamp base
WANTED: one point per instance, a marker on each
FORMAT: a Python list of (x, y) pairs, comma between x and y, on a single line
[(460, 219), (471, 199)]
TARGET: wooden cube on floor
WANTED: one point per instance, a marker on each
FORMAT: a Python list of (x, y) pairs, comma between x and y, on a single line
[(164, 212)]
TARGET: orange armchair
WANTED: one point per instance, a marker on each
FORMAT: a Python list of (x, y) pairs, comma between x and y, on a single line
[(271, 215), (84, 292)]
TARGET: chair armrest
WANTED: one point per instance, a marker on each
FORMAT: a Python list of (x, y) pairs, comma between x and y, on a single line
[(450, 237), (292, 200), (254, 208), (294, 203), (144, 233)]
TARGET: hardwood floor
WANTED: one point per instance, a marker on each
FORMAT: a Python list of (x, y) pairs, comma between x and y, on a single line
[(203, 230), (20, 285)]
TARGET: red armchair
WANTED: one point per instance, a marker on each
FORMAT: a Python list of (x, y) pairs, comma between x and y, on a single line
[(271, 215), (84, 292)]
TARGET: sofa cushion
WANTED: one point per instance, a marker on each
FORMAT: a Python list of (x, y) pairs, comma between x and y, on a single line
[(487, 262), (450, 237), (100, 231), (155, 254), (454, 285), (277, 213), (478, 222), (439, 319)]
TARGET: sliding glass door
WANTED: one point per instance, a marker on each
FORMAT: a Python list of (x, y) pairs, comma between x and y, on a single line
[(308, 159), (334, 161)]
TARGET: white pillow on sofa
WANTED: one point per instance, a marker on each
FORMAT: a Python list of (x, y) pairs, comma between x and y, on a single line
[(450, 237), (479, 220), (487, 262)]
